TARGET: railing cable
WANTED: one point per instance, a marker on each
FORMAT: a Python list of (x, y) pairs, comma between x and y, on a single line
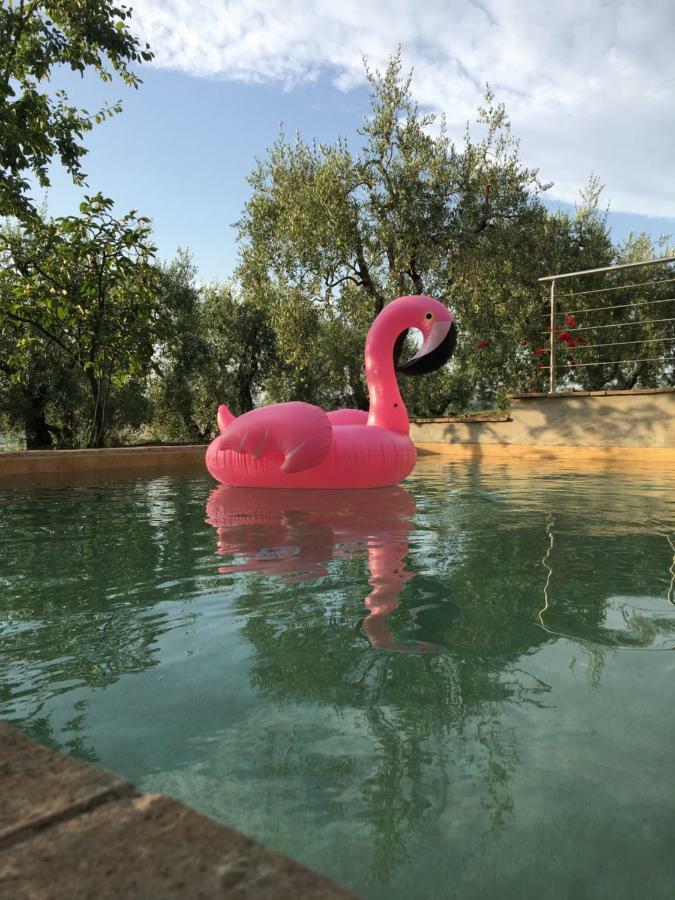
[(578, 312), (616, 325), (613, 362), (617, 287), (630, 265), (618, 343)]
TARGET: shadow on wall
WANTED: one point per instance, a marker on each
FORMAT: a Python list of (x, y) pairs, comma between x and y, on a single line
[(630, 421)]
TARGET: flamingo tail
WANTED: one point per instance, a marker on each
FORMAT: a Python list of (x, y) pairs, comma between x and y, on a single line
[(224, 417)]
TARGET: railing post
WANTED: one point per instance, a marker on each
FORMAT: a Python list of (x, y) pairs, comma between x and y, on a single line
[(552, 373)]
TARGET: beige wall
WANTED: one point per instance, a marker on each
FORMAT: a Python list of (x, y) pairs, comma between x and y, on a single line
[(121, 460), (612, 420)]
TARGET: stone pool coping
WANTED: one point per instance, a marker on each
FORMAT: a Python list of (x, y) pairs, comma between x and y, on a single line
[(108, 459), (71, 829)]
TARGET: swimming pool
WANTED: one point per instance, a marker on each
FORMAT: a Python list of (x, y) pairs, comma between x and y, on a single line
[(460, 687)]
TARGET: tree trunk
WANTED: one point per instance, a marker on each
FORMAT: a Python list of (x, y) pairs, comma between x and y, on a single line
[(38, 435), (98, 424), (245, 399), (360, 395)]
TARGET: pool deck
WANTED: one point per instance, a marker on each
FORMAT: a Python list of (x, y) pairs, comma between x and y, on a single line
[(70, 829)]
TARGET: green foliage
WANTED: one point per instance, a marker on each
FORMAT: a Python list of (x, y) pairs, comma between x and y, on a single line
[(85, 287), (219, 350), (42, 404), (36, 126), (602, 317), (507, 331), (181, 356), (329, 236), (241, 350)]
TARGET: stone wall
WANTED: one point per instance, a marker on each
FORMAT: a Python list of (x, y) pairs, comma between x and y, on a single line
[(616, 422)]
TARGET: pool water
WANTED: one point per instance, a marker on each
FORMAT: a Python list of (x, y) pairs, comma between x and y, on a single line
[(461, 687)]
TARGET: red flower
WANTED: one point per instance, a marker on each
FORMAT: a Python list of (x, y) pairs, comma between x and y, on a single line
[(482, 345), (581, 341), (571, 321), (566, 338), (540, 351)]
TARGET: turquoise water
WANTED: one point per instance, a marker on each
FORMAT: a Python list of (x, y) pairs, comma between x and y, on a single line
[(502, 724)]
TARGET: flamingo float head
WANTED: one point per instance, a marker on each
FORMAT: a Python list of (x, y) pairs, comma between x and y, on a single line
[(439, 334)]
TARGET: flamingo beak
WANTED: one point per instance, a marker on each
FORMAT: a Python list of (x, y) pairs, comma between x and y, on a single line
[(437, 348)]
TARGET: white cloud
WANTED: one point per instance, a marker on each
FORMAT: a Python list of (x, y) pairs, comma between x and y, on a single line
[(589, 87)]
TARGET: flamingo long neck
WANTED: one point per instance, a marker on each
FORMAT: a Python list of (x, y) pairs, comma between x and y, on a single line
[(387, 409)]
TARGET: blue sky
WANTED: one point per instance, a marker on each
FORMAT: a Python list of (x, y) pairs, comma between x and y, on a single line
[(221, 85), (182, 148)]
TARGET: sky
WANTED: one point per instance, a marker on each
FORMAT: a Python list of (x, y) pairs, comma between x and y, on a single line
[(589, 88)]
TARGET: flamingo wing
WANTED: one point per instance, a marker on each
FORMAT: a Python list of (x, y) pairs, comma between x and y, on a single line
[(301, 432)]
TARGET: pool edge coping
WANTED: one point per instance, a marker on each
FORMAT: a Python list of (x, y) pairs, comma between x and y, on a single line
[(68, 822)]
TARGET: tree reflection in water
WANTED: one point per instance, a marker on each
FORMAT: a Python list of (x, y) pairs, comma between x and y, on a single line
[(307, 652), (455, 611)]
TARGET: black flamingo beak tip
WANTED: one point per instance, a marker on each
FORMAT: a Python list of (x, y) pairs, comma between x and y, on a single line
[(435, 351)]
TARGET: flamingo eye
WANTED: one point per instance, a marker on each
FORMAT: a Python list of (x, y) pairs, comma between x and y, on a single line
[(429, 316)]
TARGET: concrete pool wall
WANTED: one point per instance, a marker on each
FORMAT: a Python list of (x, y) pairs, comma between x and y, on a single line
[(602, 425)]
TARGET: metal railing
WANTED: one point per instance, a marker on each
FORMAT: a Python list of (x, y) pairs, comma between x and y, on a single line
[(553, 329)]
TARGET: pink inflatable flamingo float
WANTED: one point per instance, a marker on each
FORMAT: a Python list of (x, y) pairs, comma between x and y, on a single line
[(301, 446)]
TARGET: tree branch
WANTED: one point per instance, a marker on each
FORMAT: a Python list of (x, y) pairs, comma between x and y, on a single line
[(344, 278), (415, 276), (45, 332), (364, 274)]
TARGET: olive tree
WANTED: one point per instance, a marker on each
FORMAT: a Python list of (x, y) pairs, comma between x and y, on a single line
[(37, 124), (86, 288), (334, 234)]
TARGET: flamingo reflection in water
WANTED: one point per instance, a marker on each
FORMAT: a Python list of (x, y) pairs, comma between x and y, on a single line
[(295, 534)]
